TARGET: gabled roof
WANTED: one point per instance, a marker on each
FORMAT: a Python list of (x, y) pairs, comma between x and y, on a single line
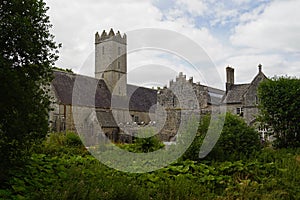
[(235, 93), (259, 77), (74, 89)]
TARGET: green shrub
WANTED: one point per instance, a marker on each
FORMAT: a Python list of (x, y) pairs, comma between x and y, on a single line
[(148, 142), (237, 140), (73, 140), (63, 143)]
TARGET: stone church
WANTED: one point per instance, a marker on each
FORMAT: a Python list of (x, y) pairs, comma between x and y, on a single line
[(108, 101)]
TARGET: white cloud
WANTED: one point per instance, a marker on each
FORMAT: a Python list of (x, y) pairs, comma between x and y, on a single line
[(252, 15), (194, 7), (222, 14), (76, 22), (277, 28)]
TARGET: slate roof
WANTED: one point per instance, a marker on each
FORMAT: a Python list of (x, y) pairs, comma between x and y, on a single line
[(106, 119), (235, 94), (141, 99), (74, 89), (215, 96)]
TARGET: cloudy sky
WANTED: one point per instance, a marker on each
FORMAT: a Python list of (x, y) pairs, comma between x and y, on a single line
[(238, 33)]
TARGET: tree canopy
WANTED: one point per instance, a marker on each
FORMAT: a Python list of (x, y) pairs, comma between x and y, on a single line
[(279, 107), (28, 52)]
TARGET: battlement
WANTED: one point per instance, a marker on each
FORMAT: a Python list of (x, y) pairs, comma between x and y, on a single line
[(111, 36)]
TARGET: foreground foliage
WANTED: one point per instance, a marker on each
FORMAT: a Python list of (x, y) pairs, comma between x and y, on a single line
[(71, 174)]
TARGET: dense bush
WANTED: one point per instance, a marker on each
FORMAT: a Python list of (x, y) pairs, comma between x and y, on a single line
[(237, 140)]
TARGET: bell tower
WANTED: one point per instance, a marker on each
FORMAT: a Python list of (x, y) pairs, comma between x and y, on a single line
[(111, 61)]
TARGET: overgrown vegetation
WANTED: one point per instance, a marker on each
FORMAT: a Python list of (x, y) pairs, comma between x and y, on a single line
[(279, 106), (61, 168), (69, 174)]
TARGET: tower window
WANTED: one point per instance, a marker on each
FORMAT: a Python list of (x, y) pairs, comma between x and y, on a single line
[(119, 50), (119, 64), (103, 50)]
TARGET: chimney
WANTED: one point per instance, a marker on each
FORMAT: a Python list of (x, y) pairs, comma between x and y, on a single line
[(259, 68), (229, 78)]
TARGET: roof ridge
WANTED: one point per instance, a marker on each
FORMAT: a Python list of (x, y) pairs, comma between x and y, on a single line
[(75, 74), (141, 87)]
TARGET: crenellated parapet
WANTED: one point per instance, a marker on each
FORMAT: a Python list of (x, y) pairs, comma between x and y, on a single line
[(111, 35)]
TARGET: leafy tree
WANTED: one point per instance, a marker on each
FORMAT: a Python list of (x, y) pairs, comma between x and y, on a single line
[(279, 107), (237, 140), (28, 53)]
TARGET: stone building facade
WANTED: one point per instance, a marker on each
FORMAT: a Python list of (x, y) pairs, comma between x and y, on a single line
[(107, 101), (242, 99), (84, 99), (185, 95)]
